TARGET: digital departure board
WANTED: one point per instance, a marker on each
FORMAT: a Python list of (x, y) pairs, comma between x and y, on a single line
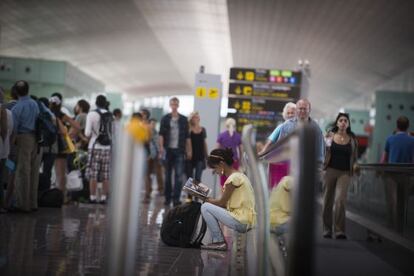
[(265, 75), (261, 113), (265, 90), (254, 106), (257, 97)]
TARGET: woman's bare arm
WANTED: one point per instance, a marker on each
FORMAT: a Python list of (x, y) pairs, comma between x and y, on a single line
[(222, 202)]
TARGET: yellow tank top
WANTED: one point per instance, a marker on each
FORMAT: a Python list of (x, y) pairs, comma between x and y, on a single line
[(280, 202), (241, 204)]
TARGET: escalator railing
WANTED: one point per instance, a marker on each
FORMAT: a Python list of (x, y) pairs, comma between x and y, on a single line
[(384, 193), (297, 148)]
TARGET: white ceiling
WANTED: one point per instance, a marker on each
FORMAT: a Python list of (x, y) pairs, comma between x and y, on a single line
[(353, 46), (154, 47)]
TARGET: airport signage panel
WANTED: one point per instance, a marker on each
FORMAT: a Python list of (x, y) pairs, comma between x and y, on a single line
[(251, 106), (264, 90), (257, 96), (287, 77), (261, 113)]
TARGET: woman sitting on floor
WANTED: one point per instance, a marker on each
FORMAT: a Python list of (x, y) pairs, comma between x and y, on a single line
[(236, 207)]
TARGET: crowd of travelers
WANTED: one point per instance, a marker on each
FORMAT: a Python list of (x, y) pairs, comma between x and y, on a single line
[(41, 137), (38, 136)]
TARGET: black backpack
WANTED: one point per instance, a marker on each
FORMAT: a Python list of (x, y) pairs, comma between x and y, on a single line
[(52, 198), (46, 130), (105, 128), (181, 226)]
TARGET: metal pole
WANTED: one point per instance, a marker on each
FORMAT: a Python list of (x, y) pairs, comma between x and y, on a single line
[(129, 164), (256, 170), (301, 245)]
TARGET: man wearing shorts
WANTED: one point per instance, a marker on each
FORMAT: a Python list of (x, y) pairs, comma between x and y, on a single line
[(99, 155)]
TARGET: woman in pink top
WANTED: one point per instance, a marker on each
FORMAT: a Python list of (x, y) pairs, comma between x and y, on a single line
[(230, 138)]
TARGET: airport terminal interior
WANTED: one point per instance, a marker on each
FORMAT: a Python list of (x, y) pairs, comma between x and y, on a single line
[(206, 137)]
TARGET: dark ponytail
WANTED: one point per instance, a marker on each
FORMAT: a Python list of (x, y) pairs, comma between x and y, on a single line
[(220, 155)]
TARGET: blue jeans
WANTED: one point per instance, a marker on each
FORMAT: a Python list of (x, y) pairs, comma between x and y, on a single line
[(199, 167), (214, 214), (174, 161)]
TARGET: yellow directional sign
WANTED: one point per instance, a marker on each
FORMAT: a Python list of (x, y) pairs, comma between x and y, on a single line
[(201, 92), (237, 105), (238, 90), (249, 76), (246, 105), (213, 93), (240, 75), (247, 90)]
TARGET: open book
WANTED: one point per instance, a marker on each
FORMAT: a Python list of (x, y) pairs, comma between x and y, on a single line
[(196, 189)]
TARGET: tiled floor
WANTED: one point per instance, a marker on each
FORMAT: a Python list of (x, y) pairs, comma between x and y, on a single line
[(71, 241)]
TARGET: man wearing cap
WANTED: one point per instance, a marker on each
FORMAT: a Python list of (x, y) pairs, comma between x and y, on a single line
[(25, 114)]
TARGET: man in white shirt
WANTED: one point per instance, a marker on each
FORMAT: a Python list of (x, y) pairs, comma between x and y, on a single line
[(99, 148)]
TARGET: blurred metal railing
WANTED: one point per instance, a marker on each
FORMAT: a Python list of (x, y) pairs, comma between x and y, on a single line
[(256, 172), (129, 163), (388, 167), (299, 148), (384, 193)]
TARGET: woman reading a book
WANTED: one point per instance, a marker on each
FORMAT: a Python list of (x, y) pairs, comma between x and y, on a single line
[(235, 208)]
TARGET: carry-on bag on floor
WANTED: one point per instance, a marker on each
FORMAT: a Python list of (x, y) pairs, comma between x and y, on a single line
[(51, 198), (183, 226)]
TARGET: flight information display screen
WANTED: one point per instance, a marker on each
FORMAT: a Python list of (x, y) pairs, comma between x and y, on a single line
[(266, 75), (257, 97), (265, 90)]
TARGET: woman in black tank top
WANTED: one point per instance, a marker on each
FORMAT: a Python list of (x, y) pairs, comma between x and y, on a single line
[(340, 162), (198, 136)]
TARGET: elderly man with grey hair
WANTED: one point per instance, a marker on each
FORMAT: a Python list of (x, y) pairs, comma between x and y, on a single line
[(289, 111)]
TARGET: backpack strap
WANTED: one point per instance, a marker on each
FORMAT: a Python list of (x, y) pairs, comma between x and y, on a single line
[(101, 125), (203, 229), (99, 112)]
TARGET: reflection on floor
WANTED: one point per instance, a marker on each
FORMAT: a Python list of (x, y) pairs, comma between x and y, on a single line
[(71, 241)]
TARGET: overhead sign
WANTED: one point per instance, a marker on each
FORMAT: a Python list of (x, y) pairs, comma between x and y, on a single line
[(261, 113), (264, 75), (264, 90), (252, 106), (257, 96)]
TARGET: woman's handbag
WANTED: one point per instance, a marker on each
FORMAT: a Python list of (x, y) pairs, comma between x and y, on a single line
[(70, 146), (74, 181)]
